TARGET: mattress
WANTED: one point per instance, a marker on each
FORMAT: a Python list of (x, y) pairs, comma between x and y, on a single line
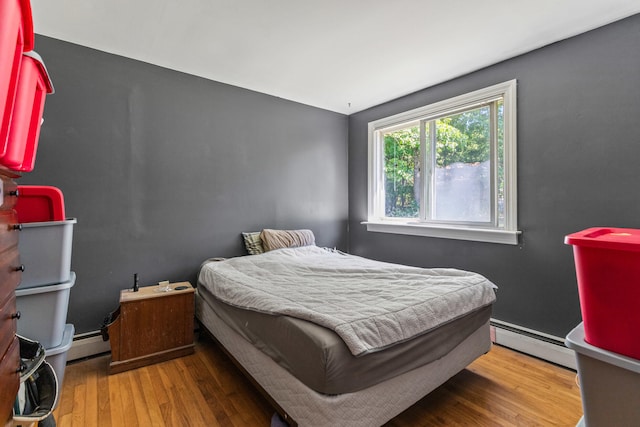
[(371, 305), (319, 358)]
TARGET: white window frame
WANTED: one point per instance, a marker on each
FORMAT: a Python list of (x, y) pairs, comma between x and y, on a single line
[(506, 234)]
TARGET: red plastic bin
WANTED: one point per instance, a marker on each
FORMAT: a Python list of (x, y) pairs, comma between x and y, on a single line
[(33, 86), (607, 262), (39, 203), (16, 37)]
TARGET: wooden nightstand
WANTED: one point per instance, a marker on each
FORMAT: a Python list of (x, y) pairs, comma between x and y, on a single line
[(151, 326)]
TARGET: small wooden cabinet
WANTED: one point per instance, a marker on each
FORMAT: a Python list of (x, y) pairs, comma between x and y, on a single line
[(152, 326)]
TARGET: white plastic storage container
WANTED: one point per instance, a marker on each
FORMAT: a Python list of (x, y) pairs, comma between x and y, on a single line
[(45, 252), (609, 383), (57, 356), (43, 312)]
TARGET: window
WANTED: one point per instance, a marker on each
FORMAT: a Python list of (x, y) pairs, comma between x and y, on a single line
[(447, 169)]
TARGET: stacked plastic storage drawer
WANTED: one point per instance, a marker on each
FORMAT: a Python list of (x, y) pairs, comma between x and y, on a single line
[(45, 250), (607, 342)]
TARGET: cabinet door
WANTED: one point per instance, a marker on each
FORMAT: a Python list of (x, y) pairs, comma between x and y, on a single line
[(10, 380), (156, 324)]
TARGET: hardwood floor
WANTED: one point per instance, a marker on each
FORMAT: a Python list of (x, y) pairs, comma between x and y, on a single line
[(502, 388)]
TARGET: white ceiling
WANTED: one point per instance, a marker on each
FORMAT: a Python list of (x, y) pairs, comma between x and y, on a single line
[(340, 55)]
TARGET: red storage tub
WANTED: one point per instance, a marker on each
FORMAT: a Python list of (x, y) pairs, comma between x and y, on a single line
[(39, 203), (16, 37), (33, 86), (608, 270)]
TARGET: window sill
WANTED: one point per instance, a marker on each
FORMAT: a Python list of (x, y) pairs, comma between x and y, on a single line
[(458, 233)]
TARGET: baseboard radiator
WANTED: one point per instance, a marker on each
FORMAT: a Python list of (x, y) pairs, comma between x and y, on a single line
[(87, 345), (528, 341), (538, 344)]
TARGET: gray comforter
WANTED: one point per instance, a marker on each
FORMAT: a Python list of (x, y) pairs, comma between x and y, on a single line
[(371, 305)]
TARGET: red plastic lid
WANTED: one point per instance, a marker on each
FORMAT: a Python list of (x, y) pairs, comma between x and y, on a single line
[(39, 203), (621, 239), (27, 26)]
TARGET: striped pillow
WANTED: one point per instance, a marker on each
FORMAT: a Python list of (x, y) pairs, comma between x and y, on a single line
[(277, 239)]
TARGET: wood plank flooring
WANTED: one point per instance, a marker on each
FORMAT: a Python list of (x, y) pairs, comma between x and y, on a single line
[(502, 388)]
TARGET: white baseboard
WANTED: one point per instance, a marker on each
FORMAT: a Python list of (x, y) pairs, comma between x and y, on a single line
[(538, 344), (528, 341), (87, 345)]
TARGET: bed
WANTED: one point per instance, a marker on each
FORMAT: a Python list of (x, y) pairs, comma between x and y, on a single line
[(334, 339)]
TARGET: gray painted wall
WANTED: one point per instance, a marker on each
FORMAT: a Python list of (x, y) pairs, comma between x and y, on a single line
[(578, 152), (163, 170)]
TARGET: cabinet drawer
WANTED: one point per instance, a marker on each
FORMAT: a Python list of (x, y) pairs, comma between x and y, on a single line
[(10, 273), (9, 232), (10, 379), (8, 322), (8, 194)]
